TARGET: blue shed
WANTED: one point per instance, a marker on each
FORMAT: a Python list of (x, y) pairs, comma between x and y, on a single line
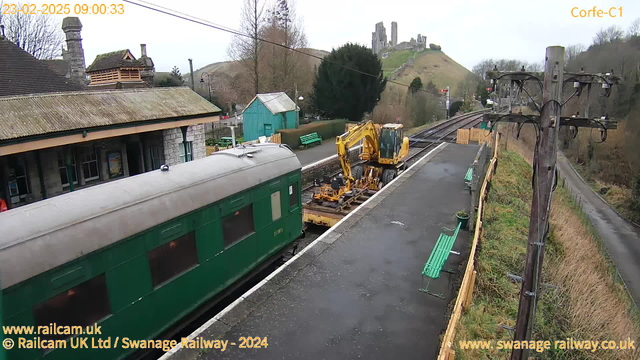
[(268, 113)]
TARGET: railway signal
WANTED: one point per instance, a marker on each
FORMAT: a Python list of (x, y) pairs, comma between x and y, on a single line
[(545, 174)]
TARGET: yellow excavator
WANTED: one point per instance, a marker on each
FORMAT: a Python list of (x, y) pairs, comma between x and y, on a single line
[(383, 150)]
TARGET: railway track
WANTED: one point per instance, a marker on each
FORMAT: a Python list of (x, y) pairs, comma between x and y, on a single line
[(437, 133), (440, 132)]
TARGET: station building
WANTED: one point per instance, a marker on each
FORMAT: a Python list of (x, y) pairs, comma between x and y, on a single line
[(60, 134)]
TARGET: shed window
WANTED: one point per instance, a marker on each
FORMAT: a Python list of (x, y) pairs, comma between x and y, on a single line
[(82, 305), (237, 226), (276, 211), (168, 260), (293, 195)]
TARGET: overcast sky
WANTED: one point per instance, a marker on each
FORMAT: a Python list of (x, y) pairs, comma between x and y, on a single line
[(468, 31)]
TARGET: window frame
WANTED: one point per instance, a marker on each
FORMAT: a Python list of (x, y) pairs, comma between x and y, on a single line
[(294, 190), (279, 204), (104, 291), (190, 237), (89, 150), (64, 166), (245, 235), (189, 151)]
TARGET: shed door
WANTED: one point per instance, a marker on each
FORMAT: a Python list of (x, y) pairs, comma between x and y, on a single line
[(268, 129)]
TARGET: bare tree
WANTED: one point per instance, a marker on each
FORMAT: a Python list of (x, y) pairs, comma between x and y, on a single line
[(286, 68), (572, 52), (634, 28), (611, 34), (246, 50), (39, 35)]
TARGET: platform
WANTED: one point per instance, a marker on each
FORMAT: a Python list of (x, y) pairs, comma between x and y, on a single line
[(316, 153), (353, 293)]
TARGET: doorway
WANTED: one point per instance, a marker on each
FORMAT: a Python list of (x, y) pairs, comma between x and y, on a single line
[(134, 156)]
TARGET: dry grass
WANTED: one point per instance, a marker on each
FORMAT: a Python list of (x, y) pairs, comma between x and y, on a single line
[(588, 304), (599, 305)]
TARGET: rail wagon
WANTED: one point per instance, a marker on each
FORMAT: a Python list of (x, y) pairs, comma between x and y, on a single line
[(137, 255)]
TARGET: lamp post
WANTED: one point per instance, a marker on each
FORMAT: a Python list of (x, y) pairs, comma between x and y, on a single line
[(208, 82)]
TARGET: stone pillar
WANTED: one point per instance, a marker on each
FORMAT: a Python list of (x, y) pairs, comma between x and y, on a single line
[(74, 54)]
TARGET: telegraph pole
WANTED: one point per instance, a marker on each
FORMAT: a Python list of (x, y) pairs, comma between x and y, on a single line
[(544, 175), (547, 126)]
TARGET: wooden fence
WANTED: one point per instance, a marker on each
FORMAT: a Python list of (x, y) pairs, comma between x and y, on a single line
[(465, 294), (481, 136)]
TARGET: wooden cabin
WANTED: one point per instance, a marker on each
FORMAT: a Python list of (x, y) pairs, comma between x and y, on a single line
[(116, 70)]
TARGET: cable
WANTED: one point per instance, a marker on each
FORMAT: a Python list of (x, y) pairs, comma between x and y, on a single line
[(193, 19)]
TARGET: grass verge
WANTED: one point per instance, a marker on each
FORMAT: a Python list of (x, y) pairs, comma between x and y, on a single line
[(588, 304), (618, 197)]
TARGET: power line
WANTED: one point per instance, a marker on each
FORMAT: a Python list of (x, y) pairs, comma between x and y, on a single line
[(193, 19)]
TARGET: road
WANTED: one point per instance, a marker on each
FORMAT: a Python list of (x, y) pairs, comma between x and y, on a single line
[(621, 238)]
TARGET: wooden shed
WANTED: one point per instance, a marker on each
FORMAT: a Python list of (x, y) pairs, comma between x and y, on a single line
[(268, 113)]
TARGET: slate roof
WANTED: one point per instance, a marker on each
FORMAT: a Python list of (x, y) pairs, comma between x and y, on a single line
[(38, 114), (21, 73), (113, 60), (277, 102), (61, 67)]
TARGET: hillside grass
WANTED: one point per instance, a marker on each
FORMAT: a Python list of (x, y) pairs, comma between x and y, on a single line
[(617, 196), (437, 67), (588, 303), (396, 59)]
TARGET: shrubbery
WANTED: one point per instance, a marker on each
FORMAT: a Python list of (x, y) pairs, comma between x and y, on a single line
[(326, 129)]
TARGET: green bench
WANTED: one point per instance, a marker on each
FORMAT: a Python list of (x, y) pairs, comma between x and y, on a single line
[(469, 176), (310, 139), (438, 257)]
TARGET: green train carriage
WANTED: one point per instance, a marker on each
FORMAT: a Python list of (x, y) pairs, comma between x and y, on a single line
[(139, 254)]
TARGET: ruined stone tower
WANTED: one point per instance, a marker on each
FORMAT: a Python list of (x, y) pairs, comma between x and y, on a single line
[(394, 34), (379, 39), (74, 54)]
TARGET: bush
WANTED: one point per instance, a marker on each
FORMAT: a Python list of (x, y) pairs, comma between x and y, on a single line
[(326, 129), (433, 46), (455, 107)]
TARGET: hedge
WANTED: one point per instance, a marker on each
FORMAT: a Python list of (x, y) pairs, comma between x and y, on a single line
[(327, 129)]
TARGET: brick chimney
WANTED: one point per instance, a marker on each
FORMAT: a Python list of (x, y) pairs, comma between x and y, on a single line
[(74, 54), (149, 70)]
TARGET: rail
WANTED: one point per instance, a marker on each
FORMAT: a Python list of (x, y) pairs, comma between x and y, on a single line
[(463, 300)]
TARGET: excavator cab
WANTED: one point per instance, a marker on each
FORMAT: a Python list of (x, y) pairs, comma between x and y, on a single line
[(391, 143)]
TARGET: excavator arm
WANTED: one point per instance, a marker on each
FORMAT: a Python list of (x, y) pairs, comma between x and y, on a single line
[(366, 132)]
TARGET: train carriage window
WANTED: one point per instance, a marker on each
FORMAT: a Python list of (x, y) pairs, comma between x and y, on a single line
[(82, 305), (276, 211), (293, 195), (237, 225), (172, 258)]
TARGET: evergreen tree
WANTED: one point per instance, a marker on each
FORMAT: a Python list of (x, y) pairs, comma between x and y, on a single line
[(416, 85), (344, 93), (176, 76)]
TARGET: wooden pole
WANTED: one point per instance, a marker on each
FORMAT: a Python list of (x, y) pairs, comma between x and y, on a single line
[(544, 172)]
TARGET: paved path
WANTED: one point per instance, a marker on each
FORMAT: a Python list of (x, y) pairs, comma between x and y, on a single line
[(318, 152), (354, 292), (621, 238)]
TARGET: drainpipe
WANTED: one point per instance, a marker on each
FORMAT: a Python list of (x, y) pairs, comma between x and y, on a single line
[(184, 142)]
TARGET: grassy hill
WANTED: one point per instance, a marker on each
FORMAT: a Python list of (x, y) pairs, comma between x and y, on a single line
[(231, 68), (429, 65)]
